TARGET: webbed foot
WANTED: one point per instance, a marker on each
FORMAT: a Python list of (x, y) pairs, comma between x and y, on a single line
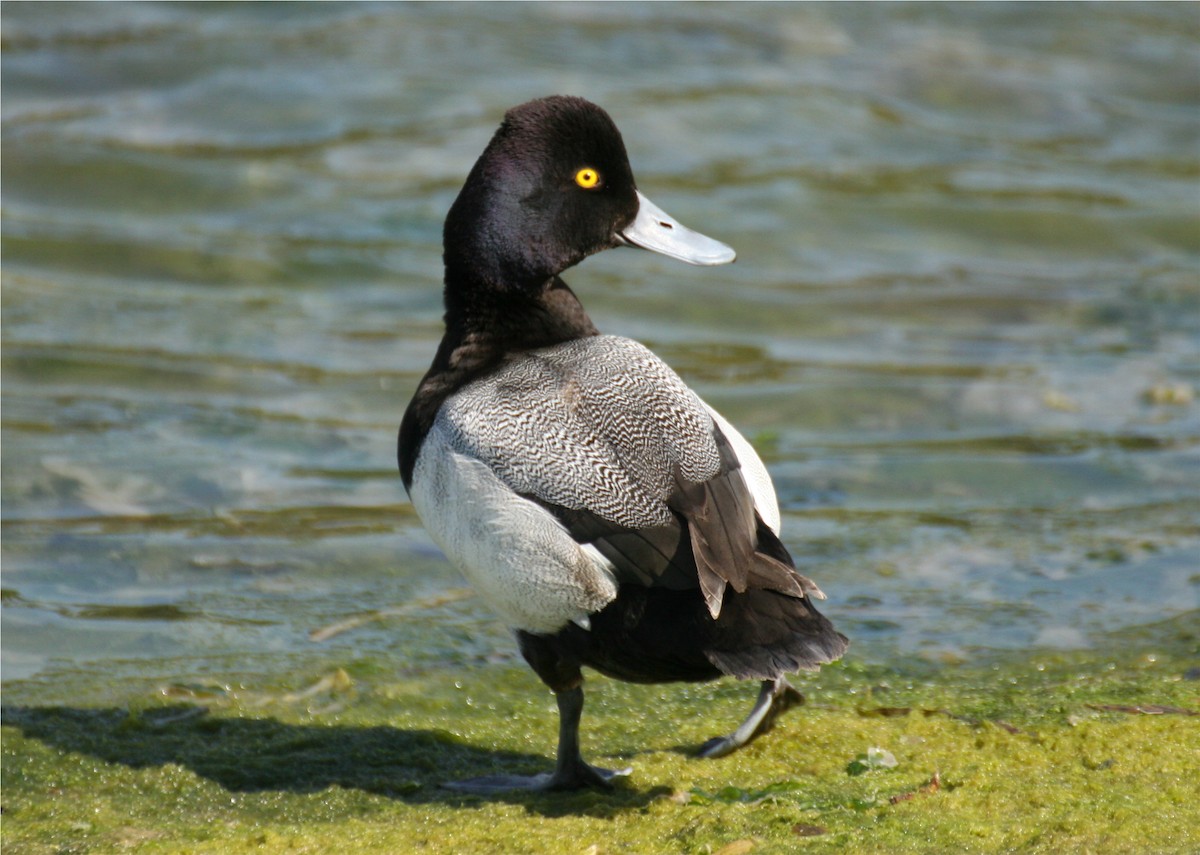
[(570, 776), (775, 697)]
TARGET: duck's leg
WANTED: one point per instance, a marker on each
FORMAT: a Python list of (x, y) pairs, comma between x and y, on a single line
[(571, 772), (776, 697), (563, 675)]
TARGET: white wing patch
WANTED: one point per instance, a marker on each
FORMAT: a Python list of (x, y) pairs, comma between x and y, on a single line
[(519, 558), (758, 479)]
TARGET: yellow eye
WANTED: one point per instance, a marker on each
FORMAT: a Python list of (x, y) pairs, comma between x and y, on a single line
[(587, 178)]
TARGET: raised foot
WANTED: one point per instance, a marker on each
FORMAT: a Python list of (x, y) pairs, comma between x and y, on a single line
[(574, 777), (775, 698), (719, 746)]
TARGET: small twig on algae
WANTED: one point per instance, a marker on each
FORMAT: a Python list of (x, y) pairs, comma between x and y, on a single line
[(1143, 709), (334, 629)]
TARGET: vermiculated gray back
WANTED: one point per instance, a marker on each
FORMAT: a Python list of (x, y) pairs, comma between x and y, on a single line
[(598, 423)]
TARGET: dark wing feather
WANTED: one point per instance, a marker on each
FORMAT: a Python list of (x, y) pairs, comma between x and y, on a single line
[(730, 543), (658, 556)]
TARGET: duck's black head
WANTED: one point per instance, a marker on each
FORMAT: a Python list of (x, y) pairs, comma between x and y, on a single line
[(552, 187)]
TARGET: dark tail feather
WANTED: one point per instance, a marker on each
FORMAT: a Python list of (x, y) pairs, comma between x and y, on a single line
[(763, 635), (772, 628)]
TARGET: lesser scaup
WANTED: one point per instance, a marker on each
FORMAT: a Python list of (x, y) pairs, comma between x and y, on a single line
[(609, 515)]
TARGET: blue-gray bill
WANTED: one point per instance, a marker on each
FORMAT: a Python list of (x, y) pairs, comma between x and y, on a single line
[(656, 230)]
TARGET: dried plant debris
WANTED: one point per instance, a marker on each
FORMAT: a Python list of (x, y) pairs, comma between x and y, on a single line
[(802, 830), (932, 786), (354, 622), (1142, 709)]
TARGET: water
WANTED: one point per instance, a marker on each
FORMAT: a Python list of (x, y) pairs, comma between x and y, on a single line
[(963, 330)]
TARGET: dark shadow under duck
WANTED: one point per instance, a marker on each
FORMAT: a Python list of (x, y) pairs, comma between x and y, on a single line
[(603, 509)]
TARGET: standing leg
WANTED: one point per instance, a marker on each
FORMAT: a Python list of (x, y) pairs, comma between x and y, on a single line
[(571, 772), (561, 672)]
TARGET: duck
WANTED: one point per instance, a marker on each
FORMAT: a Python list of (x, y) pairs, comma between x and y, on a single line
[(611, 517)]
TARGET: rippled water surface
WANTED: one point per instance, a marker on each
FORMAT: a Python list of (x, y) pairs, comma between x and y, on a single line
[(963, 329)]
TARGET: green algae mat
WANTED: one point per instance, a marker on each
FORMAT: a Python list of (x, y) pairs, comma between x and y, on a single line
[(1042, 753)]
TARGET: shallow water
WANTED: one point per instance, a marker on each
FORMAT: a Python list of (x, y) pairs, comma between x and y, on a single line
[(963, 329)]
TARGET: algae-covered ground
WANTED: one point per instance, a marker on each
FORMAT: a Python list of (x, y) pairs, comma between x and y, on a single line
[(1042, 752)]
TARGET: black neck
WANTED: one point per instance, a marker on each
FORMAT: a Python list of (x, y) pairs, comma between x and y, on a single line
[(484, 326), (514, 318)]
